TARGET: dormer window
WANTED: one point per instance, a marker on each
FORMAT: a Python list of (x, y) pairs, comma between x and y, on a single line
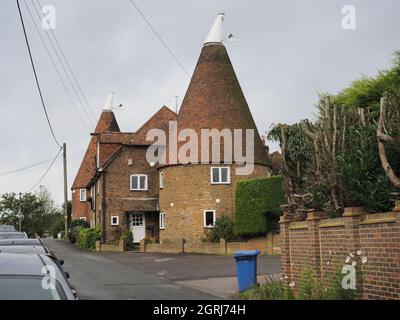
[(220, 175), (82, 195), (138, 182)]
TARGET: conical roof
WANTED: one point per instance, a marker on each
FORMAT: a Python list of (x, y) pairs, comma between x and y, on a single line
[(107, 122), (214, 99)]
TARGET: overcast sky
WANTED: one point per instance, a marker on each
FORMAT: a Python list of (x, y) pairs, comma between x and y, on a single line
[(287, 52)]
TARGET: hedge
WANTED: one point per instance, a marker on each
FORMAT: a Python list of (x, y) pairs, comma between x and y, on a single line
[(257, 204), (87, 237)]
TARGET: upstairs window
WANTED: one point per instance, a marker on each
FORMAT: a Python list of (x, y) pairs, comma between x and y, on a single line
[(138, 182), (162, 221), (161, 180), (220, 175), (209, 218), (82, 195)]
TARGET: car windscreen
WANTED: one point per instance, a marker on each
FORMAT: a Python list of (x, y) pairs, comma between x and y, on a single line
[(9, 235), (29, 288)]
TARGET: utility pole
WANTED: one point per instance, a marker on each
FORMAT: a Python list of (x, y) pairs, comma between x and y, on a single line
[(20, 212), (66, 214)]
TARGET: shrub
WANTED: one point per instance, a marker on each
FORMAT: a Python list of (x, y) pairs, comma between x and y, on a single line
[(271, 291), (57, 227), (74, 228), (223, 229), (127, 237), (257, 203), (87, 237)]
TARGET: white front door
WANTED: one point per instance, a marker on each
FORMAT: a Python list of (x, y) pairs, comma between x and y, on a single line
[(138, 227)]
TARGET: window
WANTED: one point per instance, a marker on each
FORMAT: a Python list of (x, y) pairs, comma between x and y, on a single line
[(138, 182), (209, 218), (82, 218), (161, 180), (220, 175), (162, 221), (137, 220), (82, 195), (114, 220)]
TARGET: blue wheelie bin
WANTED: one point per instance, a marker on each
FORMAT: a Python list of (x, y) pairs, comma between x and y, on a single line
[(246, 268)]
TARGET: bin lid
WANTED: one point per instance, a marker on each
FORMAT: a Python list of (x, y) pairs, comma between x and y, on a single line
[(246, 253)]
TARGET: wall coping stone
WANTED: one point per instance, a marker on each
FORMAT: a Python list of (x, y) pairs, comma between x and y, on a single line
[(333, 222), (316, 215), (354, 211), (379, 218), (298, 225)]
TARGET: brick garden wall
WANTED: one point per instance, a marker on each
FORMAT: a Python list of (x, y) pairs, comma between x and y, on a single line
[(267, 245), (323, 244)]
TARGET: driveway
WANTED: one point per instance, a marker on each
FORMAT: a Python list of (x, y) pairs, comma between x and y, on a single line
[(133, 275)]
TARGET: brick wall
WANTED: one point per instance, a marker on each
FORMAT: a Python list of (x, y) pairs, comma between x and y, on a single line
[(323, 244), (80, 209), (266, 245), (188, 192)]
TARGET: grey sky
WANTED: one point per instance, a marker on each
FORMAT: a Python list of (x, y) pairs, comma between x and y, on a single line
[(287, 51)]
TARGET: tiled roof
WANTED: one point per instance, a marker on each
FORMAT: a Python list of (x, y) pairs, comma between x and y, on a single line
[(160, 120), (215, 99), (108, 125)]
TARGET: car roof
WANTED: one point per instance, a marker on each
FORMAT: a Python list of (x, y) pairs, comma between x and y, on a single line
[(20, 242), (25, 264), (7, 228), (23, 249)]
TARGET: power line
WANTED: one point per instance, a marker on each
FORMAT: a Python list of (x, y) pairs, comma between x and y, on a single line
[(69, 68), (46, 172), (25, 168), (65, 70), (159, 37), (55, 68), (36, 77)]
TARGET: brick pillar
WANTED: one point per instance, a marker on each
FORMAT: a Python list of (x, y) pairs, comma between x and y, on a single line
[(351, 217), (314, 253), (223, 246), (142, 247), (285, 248)]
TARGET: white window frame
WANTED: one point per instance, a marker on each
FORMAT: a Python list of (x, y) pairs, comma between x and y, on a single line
[(220, 175), (161, 180), (82, 218), (81, 199), (138, 176), (214, 217), (112, 220), (162, 221)]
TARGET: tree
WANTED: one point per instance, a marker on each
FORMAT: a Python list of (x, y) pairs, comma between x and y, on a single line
[(38, 211)]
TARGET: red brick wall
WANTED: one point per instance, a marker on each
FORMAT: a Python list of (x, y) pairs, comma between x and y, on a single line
[(80, 208), (323, 245)]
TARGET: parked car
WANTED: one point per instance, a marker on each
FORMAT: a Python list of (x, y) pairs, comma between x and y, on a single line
[(6, 228), (30, 246), (32, 277), (13, 235)]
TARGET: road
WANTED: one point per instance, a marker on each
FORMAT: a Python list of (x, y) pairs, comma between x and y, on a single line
[(148, 276)]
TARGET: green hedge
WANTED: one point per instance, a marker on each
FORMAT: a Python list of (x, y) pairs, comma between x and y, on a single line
[(87, 237), (257, 205)]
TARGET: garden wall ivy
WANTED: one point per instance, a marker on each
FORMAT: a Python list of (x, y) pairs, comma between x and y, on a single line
[(257, 205)]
